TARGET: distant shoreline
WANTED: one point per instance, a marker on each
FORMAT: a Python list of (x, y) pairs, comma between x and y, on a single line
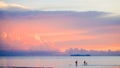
[(80, 55)]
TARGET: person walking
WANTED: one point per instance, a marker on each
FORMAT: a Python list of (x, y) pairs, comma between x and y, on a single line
[(76, 63), (85, 63)]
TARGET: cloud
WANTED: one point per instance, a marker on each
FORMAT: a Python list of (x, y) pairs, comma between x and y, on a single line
[(3, 5), (60, 29), (7, 6), (92, 52), (68, 52), (18, 6)]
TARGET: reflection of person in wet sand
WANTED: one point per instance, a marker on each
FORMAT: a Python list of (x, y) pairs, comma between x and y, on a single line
[(76, 63), (85, 63)]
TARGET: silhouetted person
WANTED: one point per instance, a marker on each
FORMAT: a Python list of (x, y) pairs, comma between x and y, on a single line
[(76, 63), (85, 63)]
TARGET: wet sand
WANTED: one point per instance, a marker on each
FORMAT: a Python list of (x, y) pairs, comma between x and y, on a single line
[(23, 67)]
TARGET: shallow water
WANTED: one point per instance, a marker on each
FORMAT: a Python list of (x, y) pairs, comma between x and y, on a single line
[(61, 61)]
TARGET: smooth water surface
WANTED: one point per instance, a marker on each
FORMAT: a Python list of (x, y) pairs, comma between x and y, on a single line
[(61, 61)]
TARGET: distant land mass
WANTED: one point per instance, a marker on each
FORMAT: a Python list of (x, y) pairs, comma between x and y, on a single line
[(80, 55)]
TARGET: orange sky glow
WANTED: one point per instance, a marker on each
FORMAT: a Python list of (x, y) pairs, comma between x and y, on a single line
[(41, 34)]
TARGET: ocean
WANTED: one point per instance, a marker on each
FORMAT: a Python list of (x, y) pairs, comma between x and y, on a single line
[(60, 61)]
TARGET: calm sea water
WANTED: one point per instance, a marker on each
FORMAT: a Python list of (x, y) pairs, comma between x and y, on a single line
[(62, 61)]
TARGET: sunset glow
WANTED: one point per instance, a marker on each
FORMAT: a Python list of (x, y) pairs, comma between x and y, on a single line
[(25, 34), (56, 28)]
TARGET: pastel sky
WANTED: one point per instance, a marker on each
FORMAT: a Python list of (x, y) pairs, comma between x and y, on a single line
[(59, 25), (73, 5)]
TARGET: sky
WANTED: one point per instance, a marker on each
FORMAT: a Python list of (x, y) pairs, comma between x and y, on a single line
[(73, 5), (57, 25)]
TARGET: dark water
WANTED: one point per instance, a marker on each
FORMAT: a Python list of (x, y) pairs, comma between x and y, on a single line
[(61, 61)]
